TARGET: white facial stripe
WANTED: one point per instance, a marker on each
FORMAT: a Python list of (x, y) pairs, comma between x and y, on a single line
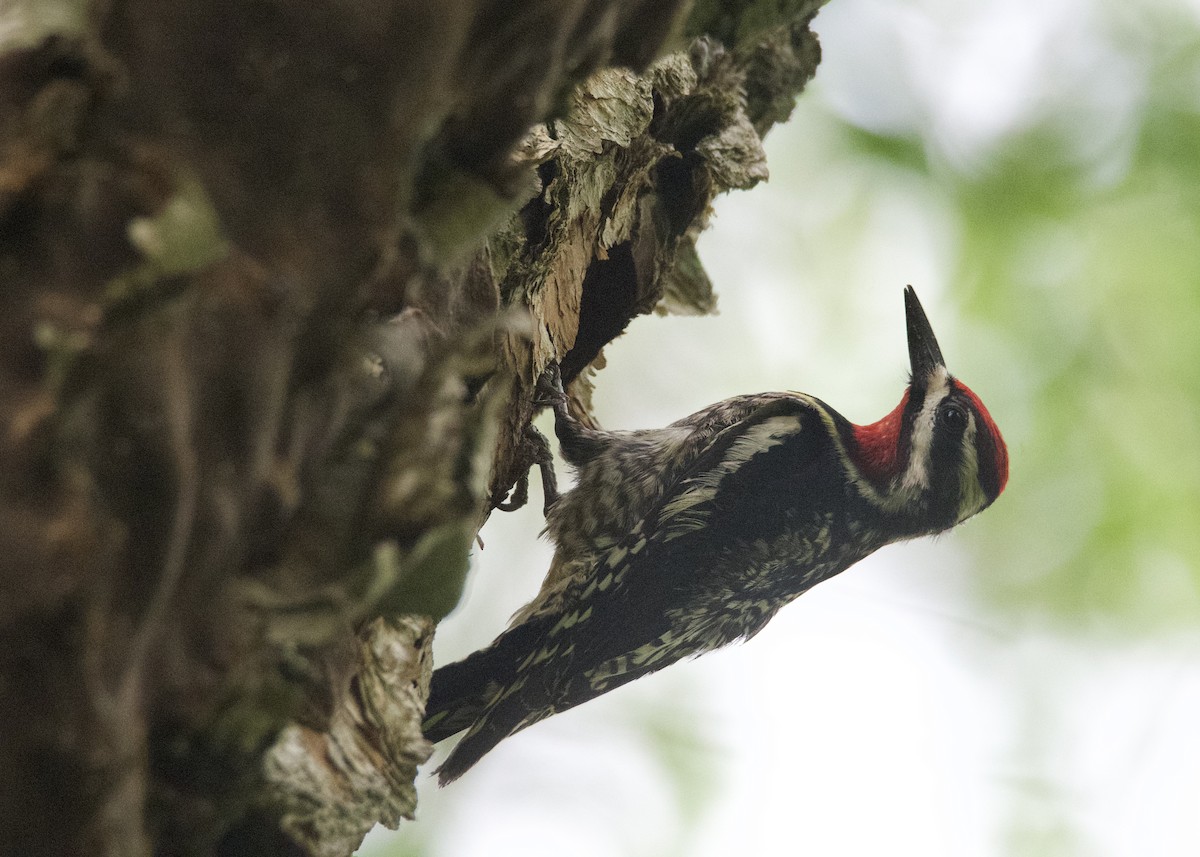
[(916, 476)]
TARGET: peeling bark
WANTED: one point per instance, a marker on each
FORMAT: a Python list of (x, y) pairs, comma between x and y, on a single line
[(276, 279), (368, 754)]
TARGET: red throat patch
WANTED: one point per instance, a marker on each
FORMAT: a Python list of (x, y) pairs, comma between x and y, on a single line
[(879, 444)]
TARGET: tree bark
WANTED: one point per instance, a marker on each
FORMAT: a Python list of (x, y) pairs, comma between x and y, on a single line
[(276, 280)]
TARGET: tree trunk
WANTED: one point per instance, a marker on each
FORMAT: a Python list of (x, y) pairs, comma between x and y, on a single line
[(277, 278)]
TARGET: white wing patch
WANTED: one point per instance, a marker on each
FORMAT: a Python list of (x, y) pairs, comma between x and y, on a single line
[(685, 513)]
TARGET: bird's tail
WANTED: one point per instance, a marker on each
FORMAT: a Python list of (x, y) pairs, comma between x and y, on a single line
[(460, 693), (497, 723), (528, 698)]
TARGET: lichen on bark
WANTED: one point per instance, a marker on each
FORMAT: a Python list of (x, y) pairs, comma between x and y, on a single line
[(276, 279)]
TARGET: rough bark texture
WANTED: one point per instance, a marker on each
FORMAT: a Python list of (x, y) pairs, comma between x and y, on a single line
[(276, 279)]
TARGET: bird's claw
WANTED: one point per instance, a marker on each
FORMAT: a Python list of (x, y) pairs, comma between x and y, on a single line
[(548, 391), (535, 449)]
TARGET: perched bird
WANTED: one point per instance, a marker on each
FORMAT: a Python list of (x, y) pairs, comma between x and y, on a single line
[(679, 540)]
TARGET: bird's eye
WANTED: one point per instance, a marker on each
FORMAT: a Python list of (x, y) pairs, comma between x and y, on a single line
[(954, 417)]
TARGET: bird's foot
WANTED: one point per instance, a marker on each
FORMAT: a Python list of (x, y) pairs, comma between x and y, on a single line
[(535, 449), (548, 391)]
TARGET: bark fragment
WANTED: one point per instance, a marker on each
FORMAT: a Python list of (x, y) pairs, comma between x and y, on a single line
[(276, 278)]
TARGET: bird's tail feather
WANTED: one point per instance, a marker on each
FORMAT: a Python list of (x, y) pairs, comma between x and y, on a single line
[(501, 718), (528, 699), (461, 692), (457, 696)]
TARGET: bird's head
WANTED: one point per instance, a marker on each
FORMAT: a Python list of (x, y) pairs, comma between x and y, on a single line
[(939, 451)]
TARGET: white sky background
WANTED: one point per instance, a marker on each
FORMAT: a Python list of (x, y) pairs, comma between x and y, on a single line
[(885, 712)]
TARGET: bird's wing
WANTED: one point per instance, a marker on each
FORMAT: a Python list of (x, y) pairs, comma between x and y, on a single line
[(617, 625), (624, 484)]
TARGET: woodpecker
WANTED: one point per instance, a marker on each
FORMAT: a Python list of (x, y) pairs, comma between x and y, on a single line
[(679, 540)]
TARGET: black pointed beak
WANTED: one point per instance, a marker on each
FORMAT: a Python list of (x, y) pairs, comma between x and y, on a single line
[(924, 355)]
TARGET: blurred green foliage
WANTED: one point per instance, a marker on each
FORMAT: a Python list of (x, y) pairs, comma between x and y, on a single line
[(1067, 243), (1095, 282), (1076, 263)]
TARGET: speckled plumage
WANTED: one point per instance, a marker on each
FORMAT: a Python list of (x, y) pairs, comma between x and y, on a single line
[(682, 539), (626, 473)]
